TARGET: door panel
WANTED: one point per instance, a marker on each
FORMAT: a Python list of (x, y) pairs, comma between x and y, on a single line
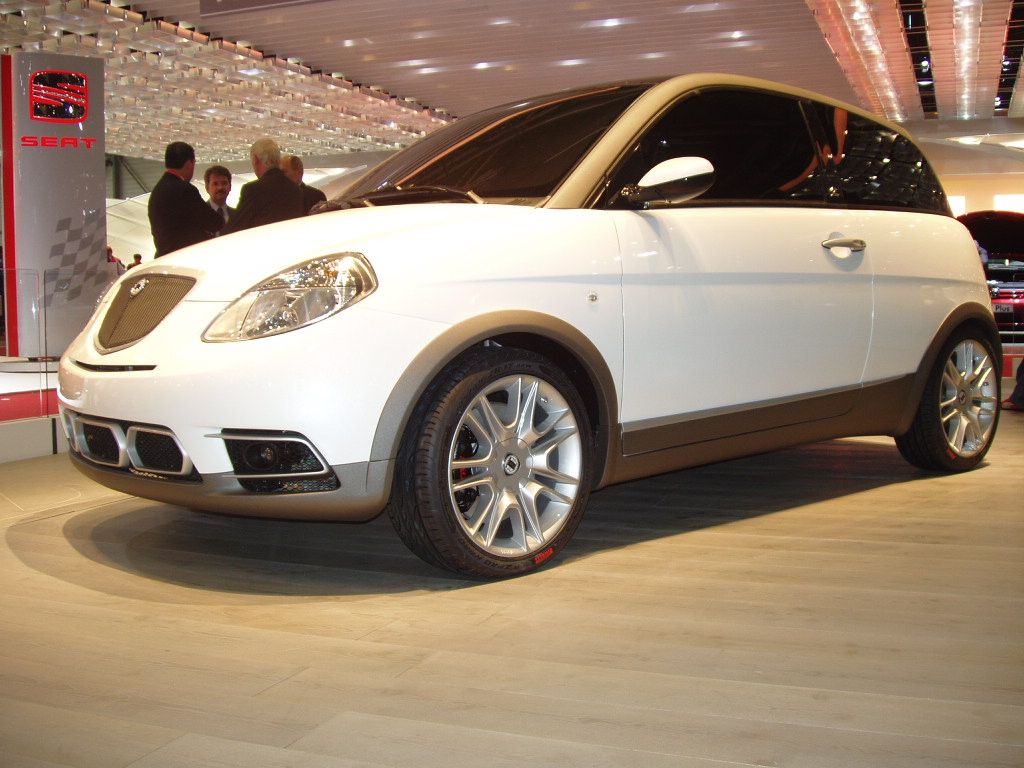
[(727, 308)]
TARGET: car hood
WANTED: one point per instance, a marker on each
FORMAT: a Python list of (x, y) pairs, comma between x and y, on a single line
[(225, 267)]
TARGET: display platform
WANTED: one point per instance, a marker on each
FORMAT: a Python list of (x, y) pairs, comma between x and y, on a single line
[(28, 409), (828, 605)]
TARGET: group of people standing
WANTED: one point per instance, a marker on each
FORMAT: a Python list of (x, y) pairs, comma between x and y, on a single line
[(179, 217)]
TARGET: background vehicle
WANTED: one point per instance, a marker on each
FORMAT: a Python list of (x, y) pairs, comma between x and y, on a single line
[(543, 299), (1001, 235)]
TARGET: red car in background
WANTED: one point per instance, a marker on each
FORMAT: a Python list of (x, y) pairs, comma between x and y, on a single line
[(1000, 235)]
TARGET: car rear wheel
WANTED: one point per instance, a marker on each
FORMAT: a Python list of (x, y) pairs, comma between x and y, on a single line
[(495, 473), (956, 419)]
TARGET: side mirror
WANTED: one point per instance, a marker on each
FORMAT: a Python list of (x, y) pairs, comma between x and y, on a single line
[(671, 182)]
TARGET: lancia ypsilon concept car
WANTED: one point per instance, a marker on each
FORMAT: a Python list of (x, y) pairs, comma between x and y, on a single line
[(543, 299)]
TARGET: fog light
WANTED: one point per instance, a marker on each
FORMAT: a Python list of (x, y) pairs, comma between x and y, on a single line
[(261, 456), (267, 462)]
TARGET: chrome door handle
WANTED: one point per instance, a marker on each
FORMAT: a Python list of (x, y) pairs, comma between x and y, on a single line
[(855, 244)]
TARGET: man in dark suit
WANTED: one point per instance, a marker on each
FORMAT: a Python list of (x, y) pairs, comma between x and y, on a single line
[(293, 169), (217, 179), (178, 216), (272, 197)]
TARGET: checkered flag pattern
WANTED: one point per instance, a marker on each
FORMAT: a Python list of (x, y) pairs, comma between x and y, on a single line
[(77, 263)]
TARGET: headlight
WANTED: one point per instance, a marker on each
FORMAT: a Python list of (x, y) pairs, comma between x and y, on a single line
[(301, 295)]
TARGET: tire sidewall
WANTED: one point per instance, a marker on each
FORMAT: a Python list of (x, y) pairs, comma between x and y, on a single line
[(447, 405)]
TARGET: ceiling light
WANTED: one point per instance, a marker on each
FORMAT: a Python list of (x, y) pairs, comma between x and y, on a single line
[(701, 8), (604, 23)]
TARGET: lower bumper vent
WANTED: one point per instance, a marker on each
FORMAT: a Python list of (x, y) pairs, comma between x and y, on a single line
[(277, 462), (141, 448)]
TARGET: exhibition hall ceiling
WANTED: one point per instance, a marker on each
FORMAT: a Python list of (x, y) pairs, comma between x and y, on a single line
[(333, 76)]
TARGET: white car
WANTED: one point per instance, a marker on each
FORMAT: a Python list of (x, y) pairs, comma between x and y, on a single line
[(543, 299)]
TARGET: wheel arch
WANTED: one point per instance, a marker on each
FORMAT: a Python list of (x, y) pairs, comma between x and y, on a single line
[(971, 316), (566, 346)]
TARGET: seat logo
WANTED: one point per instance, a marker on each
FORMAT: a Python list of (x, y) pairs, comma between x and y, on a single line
[(138, 288), (56, 96)]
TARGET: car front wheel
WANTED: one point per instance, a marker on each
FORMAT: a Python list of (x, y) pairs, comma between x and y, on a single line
[(956, 419), (496, 471)]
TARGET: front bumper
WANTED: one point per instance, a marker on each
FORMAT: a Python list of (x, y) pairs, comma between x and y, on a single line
[(171, 418), (360, 493)]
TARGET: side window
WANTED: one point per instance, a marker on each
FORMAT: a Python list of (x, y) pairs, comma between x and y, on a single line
[(758, 143), (870, 164)]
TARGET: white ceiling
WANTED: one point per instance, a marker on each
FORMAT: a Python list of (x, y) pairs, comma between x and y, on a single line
[(394, 70), (435, 50)]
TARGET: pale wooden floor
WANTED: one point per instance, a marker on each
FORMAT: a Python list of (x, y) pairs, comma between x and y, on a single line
[(822, 607)]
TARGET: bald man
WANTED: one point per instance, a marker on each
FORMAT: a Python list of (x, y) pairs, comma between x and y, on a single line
[(292, 167)]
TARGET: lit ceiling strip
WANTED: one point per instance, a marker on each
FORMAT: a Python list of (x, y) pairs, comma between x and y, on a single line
[(863, 37), (1011, 98), (992, 39), (966, 34), (966, 38)]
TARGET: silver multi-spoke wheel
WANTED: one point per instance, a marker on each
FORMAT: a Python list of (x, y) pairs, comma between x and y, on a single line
[(959, 409), (514, 466), (496, 466), (968, 398)]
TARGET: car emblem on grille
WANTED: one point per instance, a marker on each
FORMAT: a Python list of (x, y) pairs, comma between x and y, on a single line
[(138, 288)]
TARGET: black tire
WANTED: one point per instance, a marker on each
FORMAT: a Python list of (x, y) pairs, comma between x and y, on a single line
[(496, 466), (959, 409)]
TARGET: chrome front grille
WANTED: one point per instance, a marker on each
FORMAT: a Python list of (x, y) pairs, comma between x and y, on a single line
[(141, 448), (100, 443), (156, 450), (138, 308)]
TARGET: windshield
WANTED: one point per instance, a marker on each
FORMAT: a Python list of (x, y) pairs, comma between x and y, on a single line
[(517, 151)]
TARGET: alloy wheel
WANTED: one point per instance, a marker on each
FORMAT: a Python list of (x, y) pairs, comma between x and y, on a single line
[(968, 398), (514, 466)]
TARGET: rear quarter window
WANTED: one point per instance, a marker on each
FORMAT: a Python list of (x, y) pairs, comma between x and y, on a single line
[(874, 166)]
